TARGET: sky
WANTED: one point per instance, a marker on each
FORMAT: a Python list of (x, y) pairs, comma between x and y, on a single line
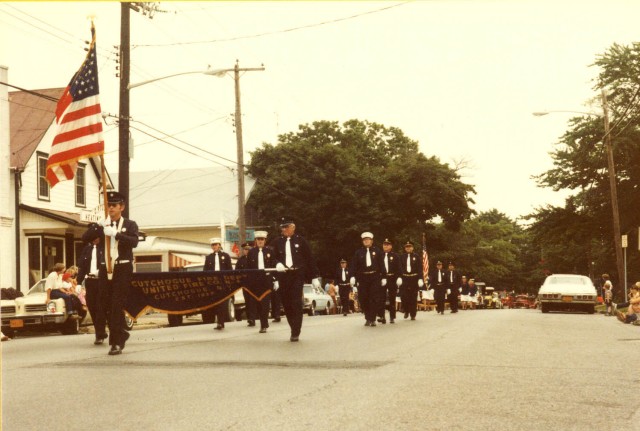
[(462, 78)]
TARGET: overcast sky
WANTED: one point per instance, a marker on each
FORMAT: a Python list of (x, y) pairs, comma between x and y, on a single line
[(460, 77)]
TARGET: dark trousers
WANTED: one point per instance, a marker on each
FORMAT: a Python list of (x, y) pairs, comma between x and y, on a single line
[(439, 295), (97, 303), (389, 292), (118, 288), (344, 290), (222, 312), (409, 294), (262, 310), (369, 294), (291, 295), (251, 306), (453, 298), (68, 302), (276, 303)]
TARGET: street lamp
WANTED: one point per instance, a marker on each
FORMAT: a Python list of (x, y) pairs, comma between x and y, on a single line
[(242, 230), (617, 237)]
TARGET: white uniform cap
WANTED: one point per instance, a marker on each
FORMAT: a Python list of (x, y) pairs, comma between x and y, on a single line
[(366, 235), (215, 241), (260, 234)]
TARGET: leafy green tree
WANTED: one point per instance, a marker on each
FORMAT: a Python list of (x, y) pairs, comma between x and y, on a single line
[(579, 237), (340, 180)]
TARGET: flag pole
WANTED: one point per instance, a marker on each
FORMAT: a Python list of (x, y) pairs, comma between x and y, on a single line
[(104, 200)]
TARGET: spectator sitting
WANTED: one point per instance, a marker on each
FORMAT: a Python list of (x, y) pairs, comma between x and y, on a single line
[(53, 287), (633, 311)]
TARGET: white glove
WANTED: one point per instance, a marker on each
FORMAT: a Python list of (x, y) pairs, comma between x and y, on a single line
[(316, 283), (110, 231), (383, 282), (448, 291), (399, 282), (420, 283), (105, 222), (280, 267), (352, 281), (276, 286)]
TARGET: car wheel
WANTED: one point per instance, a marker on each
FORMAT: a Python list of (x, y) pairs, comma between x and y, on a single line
[(9, 332), (174, 319), (312, 309), (70, 327), (326, 309), (231, 310), (544, 308), (128, 322)]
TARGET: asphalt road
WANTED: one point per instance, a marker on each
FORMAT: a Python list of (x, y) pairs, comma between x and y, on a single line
[(476, 370)]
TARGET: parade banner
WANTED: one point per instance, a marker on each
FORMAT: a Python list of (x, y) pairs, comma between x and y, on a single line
[(192, 292)]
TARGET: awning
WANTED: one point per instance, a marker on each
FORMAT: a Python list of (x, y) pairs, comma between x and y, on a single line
[(179, 260)]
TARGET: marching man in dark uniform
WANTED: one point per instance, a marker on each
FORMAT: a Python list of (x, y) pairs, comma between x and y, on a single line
[(453, 287), (295, 263), (261, 257), (249, 301), (366, 268), (88, 267), (412, 280), (120, 237), (218, 261), (344, 288), (390, 278), (437, 281)]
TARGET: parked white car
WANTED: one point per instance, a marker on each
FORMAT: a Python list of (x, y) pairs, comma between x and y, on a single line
[(567, 292), (315, 299), (32, 312)]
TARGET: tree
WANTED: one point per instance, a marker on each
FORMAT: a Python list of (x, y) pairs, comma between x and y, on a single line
[(579, 236), (338, 181)]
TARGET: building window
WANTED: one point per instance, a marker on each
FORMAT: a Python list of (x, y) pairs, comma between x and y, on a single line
[(148, 263), (43, 185), (81, 187), (35, 262)]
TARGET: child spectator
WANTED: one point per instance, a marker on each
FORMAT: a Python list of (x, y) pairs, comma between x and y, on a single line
[(608, 297), (633, 312)]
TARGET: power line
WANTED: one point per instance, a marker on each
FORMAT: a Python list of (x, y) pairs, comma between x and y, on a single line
[(302, 27)]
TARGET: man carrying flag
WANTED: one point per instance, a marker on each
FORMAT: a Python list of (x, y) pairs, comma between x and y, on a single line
[(79, 120)]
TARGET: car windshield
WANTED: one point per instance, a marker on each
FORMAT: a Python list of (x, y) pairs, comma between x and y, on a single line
[(38, 288), (307, 289), (567, 280)]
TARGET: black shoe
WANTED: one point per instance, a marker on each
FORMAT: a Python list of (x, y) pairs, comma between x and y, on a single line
[(373, 323), (219, 327), (115, 350), (380, 319), (368, 323), (383, 321), (263, 330), (392, 321), (100, 339), (413, 318), (251, 323), (406, 315), (293, 338), (277, 319), (344, 314)]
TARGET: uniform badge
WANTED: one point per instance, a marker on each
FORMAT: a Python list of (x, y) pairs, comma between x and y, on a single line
[(124, 229), (373, 254), (297, 245), (391, 258), (222, 257), (268, 255)]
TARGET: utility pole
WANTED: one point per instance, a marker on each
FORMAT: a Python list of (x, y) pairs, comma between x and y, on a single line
[(123, 125), (149, 9), (617, 237), (242, 229)]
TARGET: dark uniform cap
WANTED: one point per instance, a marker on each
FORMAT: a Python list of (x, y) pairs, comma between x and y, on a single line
[(286, 221), (408, 243), (439, 262), (114, 197), (245, 245), (387, 241), (343, 260), (452, 263)]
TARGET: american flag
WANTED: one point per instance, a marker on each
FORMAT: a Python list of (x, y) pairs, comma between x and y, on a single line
[(79, 120), (425, 260)]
